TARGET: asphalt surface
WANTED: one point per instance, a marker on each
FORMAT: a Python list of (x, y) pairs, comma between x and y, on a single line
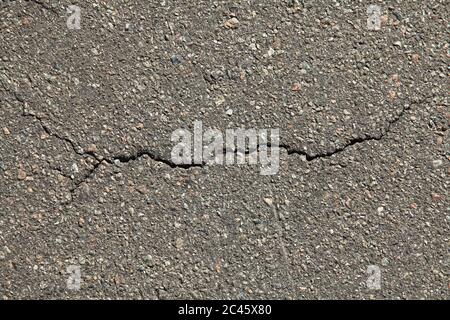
[(87, 180)]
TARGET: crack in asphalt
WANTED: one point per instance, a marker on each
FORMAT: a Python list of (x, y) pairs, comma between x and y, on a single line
[(156, 157), (99, 159), (354, 141), (126, 159), (351, 142)]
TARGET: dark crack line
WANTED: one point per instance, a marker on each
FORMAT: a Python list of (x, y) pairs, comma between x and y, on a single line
[(153, 156), (328, 154), (130, 158), (156, 157), (85, 178), (354, 141)]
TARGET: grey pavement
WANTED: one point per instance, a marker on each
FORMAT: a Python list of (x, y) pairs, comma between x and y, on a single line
[(358, 209)]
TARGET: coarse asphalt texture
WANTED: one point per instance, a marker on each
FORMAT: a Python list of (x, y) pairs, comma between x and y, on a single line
[(358, 209)]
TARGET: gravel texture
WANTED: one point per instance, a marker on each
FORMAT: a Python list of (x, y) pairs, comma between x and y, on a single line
[(86, 118)]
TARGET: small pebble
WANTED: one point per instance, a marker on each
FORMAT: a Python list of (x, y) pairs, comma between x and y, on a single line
[(91, 148), (296, 87), (176, 60), (231, 23), (142, 189), (179, 243), (81, 222), (268, 201), (75, 168), (435, 197), (437, 163), (22, 175)]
